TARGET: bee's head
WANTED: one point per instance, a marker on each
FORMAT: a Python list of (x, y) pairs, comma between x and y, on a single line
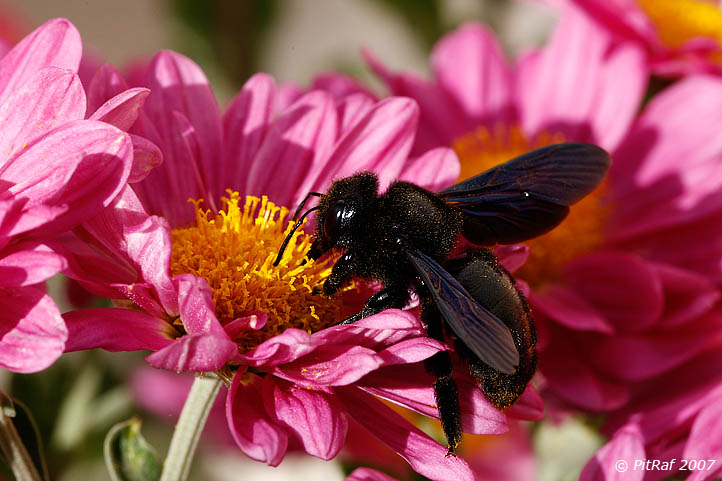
[(341, 212)]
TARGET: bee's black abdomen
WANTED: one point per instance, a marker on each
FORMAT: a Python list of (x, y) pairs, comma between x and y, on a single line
[(494, 288)]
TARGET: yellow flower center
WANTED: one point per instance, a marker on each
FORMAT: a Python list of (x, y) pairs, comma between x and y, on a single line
[(581, 232), (678, 21), (234, 251)]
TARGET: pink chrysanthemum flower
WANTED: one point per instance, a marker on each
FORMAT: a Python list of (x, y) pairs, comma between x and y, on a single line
[(202, 290), (678, 36), (57, 170), (624, 291)]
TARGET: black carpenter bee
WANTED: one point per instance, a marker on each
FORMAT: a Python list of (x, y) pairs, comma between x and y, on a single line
[(404, 237)]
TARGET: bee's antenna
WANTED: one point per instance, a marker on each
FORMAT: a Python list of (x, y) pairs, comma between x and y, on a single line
[(316, 194), (290, 234)]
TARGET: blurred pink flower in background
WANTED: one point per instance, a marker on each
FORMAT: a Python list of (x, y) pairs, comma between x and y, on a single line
[(206, 304), (678, 36), (57, 171)]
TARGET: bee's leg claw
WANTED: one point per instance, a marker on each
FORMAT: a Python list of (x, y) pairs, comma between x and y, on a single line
[(450, 453), (317, 291)]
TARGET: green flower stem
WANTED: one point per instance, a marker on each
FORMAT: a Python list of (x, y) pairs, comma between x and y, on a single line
[(189, 428), (14, 450)]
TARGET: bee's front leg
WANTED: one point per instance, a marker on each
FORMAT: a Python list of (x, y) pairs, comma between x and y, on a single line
[(390, 297)]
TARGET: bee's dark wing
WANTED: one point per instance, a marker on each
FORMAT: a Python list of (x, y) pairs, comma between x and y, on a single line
[(529, 195), (482, 332)]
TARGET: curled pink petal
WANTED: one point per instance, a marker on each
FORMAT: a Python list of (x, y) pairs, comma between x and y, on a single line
[(284, 348), (195, 353), (410, 351), (256, 434), (146, 157), (253, 320), (32, 333), (123, 109), (315, 417)]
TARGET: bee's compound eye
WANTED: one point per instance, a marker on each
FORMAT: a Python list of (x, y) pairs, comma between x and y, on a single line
[(337, 219)]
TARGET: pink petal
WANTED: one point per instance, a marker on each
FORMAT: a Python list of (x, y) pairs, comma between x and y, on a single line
[(179, 85), (576, 382), (381, 142), (619, 286), (116, 330), (255, 433), (426, 456), (352, 109), (637, 357), (123, 109), (148, 246), (32, 333), (167, 188), (146, 157), (90, 164), (653, 189), (570, 309), (28, 263), (195, 306), (50, 98), (315, 417), (367, 474), (441, 120), (330, 365), (529, 407), (435, 170), (686, 295), (245, 124), (470, 66), (56, 43), (105, 84), (297, 144), (340, 85), (618, 459), (579, 81), (705, 437), (512, 257)]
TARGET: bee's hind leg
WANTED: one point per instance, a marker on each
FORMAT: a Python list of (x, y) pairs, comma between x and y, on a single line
[(445, 390)]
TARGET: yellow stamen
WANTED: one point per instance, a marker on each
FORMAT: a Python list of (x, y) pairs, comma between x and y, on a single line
[(581, 232), (678, 21), (234, 251)]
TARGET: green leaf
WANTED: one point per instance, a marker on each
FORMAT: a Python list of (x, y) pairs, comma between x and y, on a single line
[(128, 456)]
